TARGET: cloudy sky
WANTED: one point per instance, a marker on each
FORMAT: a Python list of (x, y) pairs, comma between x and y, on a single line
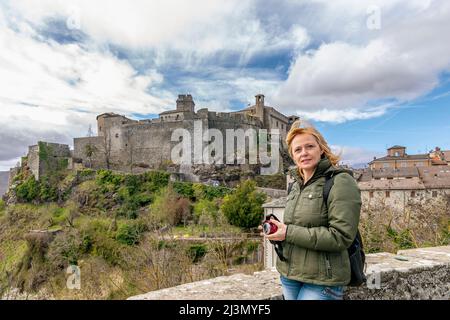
[(368, 74)]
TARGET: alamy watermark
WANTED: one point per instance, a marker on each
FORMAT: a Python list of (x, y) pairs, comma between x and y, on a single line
[(73, 21), (211, 147), (74, 278), (373, 21), (374, 280)]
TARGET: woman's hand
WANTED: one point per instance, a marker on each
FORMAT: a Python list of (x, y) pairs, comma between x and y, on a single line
[(279, 235)]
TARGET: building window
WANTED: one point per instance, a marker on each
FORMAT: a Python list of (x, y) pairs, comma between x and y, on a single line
[(434, 194), (413, 194), (385, 165), (117, 135), (282, 126), (277, 124), (370, 194), (388, 194), (396, 153), (403, 164), (419, 164)]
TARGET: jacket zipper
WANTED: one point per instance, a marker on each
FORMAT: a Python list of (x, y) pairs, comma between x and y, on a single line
[(328, 265)]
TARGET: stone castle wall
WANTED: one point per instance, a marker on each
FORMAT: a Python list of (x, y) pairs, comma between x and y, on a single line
[(33, 160), (97, 160), (147, 144), (139, 145)]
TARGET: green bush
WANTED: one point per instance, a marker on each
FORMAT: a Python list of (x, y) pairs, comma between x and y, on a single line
[(132, 183), (402, 239), (105, 177), (59, 215), (98, 240), (202, 191), (143, 199), (18, 177), (252, 246), (107, 248), (86, 172), (123, 194), (86, 243), (184, 189), (48, 191), (65, 249), (205, 210), (128, 210), (197, 251), (243, 207), (28, 190), (130, 233), (155, 180)]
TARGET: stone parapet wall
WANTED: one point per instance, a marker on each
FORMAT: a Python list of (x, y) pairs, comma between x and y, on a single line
[(411, 274)]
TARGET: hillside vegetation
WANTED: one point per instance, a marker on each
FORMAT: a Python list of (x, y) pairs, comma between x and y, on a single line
[(128, 234)]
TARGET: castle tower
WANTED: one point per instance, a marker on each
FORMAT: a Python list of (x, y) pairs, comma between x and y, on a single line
[(185, 103), (260, 106)]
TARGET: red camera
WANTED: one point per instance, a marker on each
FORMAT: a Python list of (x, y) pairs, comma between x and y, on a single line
[(269, 227)]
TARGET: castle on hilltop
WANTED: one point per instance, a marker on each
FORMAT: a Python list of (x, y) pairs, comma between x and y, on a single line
[(140, 145)]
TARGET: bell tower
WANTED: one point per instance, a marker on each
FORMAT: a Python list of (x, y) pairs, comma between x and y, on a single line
[(259, 106)]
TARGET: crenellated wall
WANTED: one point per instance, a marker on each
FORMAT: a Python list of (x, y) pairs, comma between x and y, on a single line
[(147, 143)]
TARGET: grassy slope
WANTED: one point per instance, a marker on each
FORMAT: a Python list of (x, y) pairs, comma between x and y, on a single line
[(118, 256)]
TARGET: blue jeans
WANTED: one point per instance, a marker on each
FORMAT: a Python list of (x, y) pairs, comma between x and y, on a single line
[(296, 290)]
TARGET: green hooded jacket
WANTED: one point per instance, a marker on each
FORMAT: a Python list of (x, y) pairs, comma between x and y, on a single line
[(318, 235)]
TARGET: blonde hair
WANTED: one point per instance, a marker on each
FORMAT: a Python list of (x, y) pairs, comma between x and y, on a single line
[(297, 129)]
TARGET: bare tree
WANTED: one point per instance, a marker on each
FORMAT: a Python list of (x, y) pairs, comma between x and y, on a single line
[(90, 149)]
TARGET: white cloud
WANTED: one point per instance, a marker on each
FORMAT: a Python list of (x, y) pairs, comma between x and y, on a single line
[(355, 156), (219, 86), (68, 76), (6, 165), (182, 32), (54, 91), (343, 78), (341, 116)]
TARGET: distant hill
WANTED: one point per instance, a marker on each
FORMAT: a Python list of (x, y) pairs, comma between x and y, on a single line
[(3, 182)]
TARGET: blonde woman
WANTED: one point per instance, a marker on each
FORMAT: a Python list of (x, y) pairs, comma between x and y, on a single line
[(315, 235)]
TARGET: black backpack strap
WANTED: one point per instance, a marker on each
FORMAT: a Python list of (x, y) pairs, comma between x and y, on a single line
[(290, 185), (329, 181)]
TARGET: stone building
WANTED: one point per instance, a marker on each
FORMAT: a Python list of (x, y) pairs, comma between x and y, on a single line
[(139, 145), (43, 158), (403, 188), (398, 158), (46, 156)]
